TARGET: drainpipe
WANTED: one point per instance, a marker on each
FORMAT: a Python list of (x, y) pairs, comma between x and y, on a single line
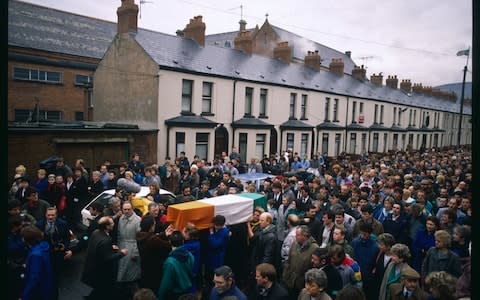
[(233, 113), (313, 143), (281, 141), (318, 140), (345, 130), (167, 144), (168, 141), (369, 136)]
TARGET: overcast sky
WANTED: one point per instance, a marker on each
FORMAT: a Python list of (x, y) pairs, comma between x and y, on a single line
[(416, 40)]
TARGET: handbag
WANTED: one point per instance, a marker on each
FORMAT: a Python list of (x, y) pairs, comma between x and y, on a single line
[(62, 203)]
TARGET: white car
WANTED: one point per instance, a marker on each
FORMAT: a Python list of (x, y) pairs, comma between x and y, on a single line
[(140, 201)]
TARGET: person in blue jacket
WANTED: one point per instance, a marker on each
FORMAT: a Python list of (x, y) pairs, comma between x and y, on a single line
[(216, 247), (366, 249), (39, 279)]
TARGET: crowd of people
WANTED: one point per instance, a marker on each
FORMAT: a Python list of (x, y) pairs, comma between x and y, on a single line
[(380, 226)]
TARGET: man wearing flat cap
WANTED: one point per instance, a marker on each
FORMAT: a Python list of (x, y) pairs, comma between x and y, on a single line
[(408, 287)]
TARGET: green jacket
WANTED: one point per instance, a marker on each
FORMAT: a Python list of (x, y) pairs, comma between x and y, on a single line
[(177, 273)]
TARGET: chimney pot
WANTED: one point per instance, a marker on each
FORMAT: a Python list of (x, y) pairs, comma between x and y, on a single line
[(406, 85), (392, 82), (127, 15), (195, 30), (359, 73), (348, 54), (337, 66), (312, 60), (376, 79), (243, 25), (283, 52), (417, 88), (243, 41)]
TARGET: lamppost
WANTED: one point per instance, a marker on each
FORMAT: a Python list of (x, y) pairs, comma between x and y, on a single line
[(460, 53)]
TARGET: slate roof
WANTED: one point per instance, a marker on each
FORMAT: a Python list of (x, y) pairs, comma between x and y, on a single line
[(376, 126), (251, 123), (37, 27), (397, 128), (300, 46), (355, 126), (329, 125), (295, 125), (189, 121)]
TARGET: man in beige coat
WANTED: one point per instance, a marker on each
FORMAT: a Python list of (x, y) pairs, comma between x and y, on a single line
[(299, 259)]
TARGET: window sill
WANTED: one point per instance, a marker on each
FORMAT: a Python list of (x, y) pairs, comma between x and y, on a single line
[(207, 114), (263, 117), (187, 113), (39, 81)]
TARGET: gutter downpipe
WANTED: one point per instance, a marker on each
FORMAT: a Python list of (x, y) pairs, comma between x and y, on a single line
[(168, 141), (167, 144), (313, 143), (345, 130), (233, 113)]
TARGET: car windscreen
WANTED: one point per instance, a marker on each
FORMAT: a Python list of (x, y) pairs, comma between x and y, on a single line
[(167, 199), (105, 199)]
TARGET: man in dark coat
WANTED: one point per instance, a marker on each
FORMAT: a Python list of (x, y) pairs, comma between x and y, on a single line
[(267, 286), (321, 260), (100, 269), (265, 248)]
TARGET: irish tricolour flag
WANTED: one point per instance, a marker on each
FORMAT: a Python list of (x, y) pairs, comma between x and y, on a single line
[(236, 208)]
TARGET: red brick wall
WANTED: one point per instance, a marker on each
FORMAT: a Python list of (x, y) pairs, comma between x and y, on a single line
[(65, 97)]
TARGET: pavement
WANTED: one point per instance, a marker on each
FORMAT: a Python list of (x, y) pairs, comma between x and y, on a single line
[(70, 286)]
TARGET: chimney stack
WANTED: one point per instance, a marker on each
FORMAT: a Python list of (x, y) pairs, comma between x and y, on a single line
[(243, 41), (312, 60), (376, 79), (195, 30), (348, 53), (427, 90), (243, 25), (336, 66), (417, 88), (392, 81), (449, 96), (359, 73), (282, 52), (127, 17), (437, 93), (406, 85)]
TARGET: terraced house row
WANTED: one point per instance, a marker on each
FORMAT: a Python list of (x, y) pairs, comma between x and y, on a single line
[(262, 90)]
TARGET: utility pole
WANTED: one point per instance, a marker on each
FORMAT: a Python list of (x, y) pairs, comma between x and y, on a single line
[(461, 101)]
